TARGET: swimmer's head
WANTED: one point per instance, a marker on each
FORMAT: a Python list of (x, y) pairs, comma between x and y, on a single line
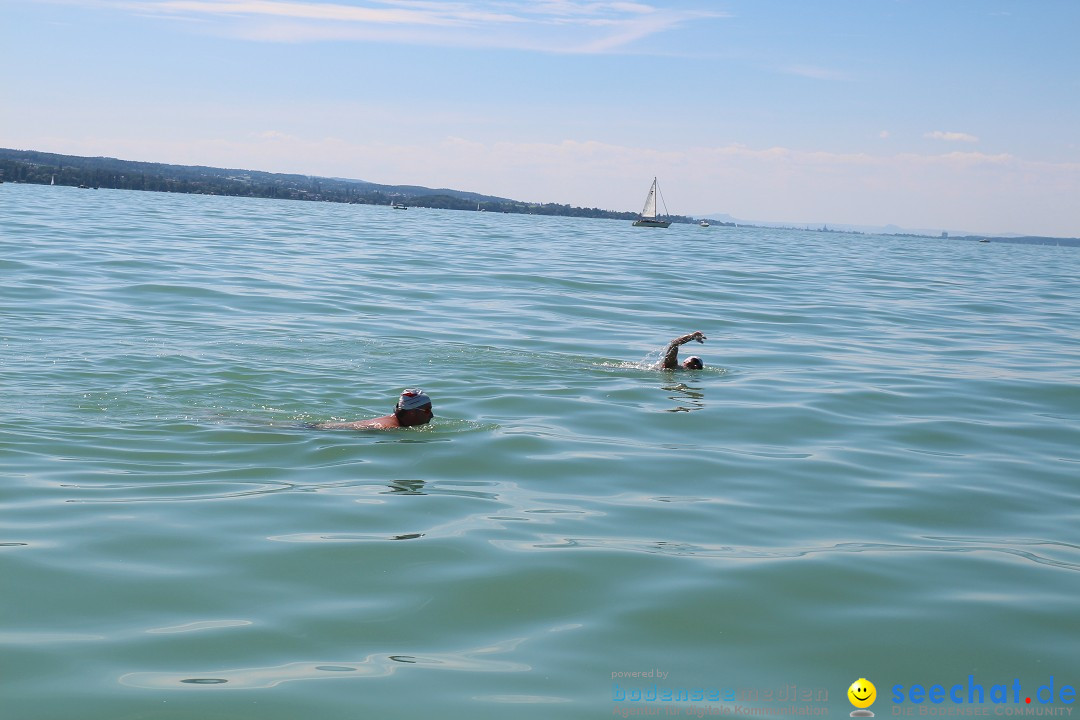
[(413, 408), (413, 398), (693, 363)]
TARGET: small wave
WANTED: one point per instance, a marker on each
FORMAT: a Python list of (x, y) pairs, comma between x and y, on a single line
[(381, 665), (1018, 548), (176, 492), (343, 537), (199, 626), (522, 699)]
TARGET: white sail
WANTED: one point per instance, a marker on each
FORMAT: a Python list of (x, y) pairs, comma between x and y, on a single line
[(649, 216), (650, 202)]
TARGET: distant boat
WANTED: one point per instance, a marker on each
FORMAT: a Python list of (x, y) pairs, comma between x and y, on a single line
[(985, 240), (704, 223), (53, 181), (648, 216), (399, 206)]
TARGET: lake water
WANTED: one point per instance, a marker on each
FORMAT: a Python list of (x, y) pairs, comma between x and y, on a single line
[(875, 476)]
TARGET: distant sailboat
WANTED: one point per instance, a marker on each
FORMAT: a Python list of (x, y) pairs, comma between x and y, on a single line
[(649, 217), (53, 181)]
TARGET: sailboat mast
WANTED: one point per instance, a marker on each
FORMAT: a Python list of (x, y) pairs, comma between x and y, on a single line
[(649, 215)]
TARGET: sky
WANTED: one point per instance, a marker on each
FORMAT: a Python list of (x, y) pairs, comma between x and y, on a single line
[(939, 115)]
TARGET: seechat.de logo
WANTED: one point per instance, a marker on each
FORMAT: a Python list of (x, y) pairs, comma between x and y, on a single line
[(862, 695)]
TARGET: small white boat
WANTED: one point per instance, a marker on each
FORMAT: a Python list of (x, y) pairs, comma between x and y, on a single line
[(648, 217), (704, 223), (399, 206)]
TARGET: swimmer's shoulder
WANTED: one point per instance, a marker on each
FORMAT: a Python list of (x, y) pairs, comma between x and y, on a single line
[(387, 422)]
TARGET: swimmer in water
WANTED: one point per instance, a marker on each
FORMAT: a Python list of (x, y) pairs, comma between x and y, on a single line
[(413, 408), (671, 354)]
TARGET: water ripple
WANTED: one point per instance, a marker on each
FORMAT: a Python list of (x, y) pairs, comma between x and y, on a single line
[(372, 666), (888, 409), (1016, 548)]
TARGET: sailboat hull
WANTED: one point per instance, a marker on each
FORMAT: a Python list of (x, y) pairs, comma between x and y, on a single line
[(646, 222)]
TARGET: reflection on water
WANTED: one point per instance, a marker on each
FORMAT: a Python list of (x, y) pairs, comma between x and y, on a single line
[(475, 660), (689, 397), (406, 487)]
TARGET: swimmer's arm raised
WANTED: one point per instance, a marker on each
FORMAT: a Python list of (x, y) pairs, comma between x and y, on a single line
[(671, 353)]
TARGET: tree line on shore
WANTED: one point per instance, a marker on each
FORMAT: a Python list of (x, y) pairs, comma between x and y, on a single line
[(29, 166)]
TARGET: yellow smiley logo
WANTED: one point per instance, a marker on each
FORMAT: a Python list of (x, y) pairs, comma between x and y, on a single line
[(862, 693)]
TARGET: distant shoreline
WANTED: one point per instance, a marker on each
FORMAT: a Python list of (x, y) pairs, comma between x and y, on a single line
[(43, 168)]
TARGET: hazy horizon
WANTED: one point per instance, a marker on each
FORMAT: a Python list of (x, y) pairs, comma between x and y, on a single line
[(959, 117)]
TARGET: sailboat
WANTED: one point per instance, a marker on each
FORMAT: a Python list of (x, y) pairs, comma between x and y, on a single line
[(649, 217)]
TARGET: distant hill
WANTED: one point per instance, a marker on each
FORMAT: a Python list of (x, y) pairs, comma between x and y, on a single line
[(31, 166)]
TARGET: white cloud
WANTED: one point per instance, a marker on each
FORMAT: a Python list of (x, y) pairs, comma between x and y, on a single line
[(417, 14), (559, 26), (951, 136)]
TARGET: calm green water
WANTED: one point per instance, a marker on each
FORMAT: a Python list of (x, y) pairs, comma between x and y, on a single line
[(875, 475)]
